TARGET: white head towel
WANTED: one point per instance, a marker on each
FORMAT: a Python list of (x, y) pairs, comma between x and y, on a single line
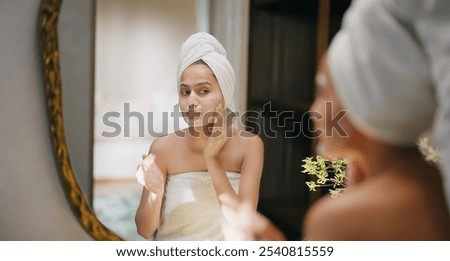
[(203, 46), (380, 74), (378, 66)]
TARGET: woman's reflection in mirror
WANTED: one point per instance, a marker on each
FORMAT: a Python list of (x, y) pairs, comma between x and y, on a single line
[(186, 174)]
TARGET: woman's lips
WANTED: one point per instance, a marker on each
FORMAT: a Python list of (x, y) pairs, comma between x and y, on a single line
[(191, 114)]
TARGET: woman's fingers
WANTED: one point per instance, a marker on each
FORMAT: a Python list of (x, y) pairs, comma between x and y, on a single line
[(149, 175), (149, 160), (140, 175), (219, 127), (244, 223)]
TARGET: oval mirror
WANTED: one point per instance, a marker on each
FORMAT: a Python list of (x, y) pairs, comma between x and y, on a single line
[(134, 66)]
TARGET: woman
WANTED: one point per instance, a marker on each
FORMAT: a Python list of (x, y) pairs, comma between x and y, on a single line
[(383, 68), (388, 69), (392, 192), (188, 172)]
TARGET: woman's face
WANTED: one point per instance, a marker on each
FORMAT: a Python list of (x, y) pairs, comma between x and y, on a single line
[(332, 135), (200, 95)]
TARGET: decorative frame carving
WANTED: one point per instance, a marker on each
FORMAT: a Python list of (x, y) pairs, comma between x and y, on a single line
[(48, 26)]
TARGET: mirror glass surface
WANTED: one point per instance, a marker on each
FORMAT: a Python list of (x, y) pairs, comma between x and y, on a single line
[(136, 54), (118, 65)]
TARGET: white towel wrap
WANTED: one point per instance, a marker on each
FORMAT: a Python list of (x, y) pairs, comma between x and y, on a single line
[(381, 75), (390, 64)]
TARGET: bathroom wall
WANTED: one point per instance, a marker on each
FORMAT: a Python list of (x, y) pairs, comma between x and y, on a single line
[(32, 203)]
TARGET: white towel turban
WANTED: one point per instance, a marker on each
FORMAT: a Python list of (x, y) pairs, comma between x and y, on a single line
[(203, 46), (381, 75), (384, 63)]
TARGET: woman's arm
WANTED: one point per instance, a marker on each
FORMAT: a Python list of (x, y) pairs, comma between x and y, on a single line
[(149, 210), (251, 169)]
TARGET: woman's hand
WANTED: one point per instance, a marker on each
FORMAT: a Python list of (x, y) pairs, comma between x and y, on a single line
[(150, 176), (242, 222), (219, 134)]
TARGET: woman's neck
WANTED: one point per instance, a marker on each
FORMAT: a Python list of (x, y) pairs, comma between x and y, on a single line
[(381, 157), (197, 137)]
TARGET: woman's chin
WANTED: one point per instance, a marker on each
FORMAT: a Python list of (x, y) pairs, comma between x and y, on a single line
[(195, 123), (198, 122)]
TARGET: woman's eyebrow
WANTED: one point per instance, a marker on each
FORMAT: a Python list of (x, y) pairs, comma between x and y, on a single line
[(185, 85), (182, 84), (203, 83)]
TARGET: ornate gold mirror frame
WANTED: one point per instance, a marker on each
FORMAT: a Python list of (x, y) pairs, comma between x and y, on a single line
[(48, 25)]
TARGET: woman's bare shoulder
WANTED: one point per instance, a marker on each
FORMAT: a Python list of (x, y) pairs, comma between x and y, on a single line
[(377, 210), (163, 148), (339, 218), (166, 143), (329, 219), (247, 138)]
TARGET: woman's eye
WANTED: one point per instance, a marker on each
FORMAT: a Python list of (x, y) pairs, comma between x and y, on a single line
[(205, 91), (184, 92)]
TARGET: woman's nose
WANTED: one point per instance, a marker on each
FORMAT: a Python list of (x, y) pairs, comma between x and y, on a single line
[(193, 101)]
